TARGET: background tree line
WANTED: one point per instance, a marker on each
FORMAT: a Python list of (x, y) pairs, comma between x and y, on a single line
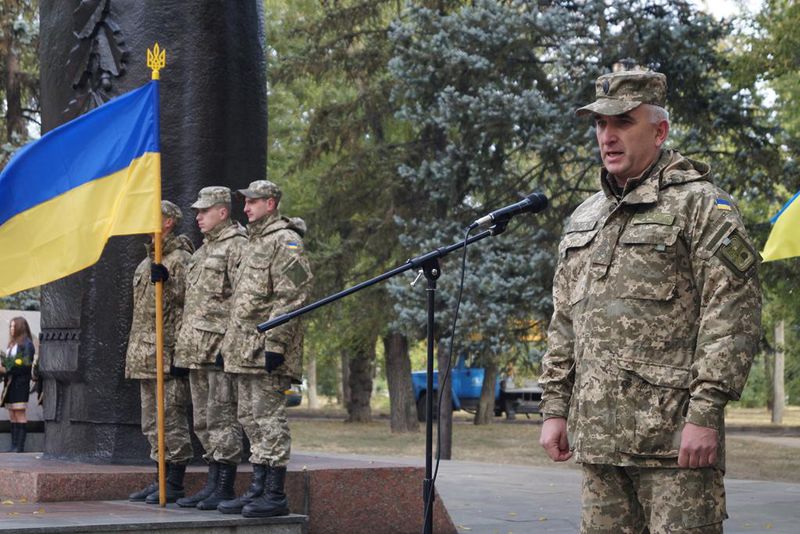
[(393, 124)]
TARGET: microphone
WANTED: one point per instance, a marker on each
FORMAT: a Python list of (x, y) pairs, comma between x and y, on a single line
[(534, 203)]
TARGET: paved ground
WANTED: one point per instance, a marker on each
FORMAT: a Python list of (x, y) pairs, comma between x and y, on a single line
[(511, 499)]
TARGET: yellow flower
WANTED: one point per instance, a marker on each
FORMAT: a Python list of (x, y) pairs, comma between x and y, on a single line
[(18, 361)]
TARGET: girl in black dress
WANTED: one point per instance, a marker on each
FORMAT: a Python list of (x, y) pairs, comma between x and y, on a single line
[(15, 367)]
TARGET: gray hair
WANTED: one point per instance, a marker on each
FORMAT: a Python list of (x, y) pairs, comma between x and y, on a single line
[(656, 114)]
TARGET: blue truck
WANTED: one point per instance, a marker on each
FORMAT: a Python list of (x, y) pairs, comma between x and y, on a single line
[(466, 383)]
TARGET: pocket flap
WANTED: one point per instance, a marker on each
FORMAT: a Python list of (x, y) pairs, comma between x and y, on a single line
[(575, 240), (649, 234), (215, 264), (658, 375)]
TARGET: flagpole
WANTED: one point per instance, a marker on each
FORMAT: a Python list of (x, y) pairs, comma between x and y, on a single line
[(156, 61)]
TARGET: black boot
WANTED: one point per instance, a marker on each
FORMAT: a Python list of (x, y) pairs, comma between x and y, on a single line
[(224, 489), (175, 474), (255, 490), (13, 437), (273, 502), (21, 433), (208, 489), (141, 495)]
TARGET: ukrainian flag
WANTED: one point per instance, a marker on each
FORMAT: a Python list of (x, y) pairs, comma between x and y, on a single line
[(784, 239), (64, 195)]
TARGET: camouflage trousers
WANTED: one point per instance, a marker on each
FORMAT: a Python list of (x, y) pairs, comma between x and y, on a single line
[(177, 441), (262, 413), (636, 500), (214, 411)]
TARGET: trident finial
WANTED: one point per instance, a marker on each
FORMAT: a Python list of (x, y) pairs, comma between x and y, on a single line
[(156, 60)]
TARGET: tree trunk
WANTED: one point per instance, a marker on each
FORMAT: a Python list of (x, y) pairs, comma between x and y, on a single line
[(343, 387), (769, 374), (15, 122), (402, 407), (361, 366), (485, 413), (446, 402), (778, 380), (311, 376)]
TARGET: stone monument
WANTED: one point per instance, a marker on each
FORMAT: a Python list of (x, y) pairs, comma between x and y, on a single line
[(213, 132)]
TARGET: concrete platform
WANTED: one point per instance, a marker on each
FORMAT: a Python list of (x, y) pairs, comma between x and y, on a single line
[(121, 516), (336, 494)]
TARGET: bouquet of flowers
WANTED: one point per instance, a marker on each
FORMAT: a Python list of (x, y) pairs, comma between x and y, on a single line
[(12, 361)]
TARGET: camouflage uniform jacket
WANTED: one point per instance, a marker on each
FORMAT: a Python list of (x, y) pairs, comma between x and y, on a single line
[(140, 361), (273, 278), (209, 286), (657, 311)]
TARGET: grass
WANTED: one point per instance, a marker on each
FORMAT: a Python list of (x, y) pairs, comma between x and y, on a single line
[(747, 458)]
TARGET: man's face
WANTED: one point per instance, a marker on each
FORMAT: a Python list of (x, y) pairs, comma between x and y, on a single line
[(256, 208), (630, 142), (208, 218)]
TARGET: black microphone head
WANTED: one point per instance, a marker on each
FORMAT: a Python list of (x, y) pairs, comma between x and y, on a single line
[(537, 202)]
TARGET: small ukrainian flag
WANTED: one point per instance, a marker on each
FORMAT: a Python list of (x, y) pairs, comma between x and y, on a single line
[(293, 245), (724, 205)]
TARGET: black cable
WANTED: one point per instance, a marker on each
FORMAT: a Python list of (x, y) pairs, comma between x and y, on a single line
[(429, 496)]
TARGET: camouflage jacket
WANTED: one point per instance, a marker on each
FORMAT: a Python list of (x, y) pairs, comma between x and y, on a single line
[(273, 278), (140, 360), (657, 316), (209, 285)]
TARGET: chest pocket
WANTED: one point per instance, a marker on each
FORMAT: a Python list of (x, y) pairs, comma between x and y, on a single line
[(647, 261), (213, 275), (574, 254)]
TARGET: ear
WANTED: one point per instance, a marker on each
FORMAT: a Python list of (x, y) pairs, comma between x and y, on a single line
[(272, 204), (662, 131)]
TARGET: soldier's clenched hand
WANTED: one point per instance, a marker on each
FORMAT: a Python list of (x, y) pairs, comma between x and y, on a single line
[(554, 439), (698, 446)]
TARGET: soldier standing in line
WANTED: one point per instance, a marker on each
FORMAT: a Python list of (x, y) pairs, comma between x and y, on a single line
[(140, 361), (657, 310), (206, 310), (273, 278)]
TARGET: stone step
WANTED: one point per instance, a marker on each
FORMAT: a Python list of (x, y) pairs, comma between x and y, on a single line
[(100, 517)]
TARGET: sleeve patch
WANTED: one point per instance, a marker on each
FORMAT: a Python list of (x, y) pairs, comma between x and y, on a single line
[(737, 254), (724, 205), (297, 274), (293, 245)]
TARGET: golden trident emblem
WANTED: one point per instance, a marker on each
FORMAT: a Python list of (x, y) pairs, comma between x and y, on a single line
[(156, 60)]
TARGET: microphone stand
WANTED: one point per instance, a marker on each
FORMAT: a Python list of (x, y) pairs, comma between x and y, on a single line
[(429, 263)]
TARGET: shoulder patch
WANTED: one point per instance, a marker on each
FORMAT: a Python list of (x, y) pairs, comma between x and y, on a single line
[(293, 245), (297, 273), (737, 254), (724, 205)]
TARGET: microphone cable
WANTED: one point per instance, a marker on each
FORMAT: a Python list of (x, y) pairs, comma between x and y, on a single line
[(445, 384)]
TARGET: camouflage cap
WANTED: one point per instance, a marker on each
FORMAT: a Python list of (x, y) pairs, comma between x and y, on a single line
[(261, 189), (211, 196), (172, 211), (620, 92)]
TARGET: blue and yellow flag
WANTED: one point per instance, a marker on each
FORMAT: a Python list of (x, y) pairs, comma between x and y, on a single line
[(784, 239), (64, 195)]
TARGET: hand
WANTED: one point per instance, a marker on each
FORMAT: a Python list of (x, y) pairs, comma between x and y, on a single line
[(554, 439), (220, 361), (273, 360), (158, 272), (699, 446), (178, 372)]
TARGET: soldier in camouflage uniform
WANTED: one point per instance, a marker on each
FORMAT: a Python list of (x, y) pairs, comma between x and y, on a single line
[(657, 309), (140, 361), (206, 310), (273, 278)]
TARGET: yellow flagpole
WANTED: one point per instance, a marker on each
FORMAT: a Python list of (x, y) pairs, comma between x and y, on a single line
[(156, 60)]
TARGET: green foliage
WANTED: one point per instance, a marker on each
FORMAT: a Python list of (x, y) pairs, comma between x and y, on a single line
[(28, 300), (19, 74)]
